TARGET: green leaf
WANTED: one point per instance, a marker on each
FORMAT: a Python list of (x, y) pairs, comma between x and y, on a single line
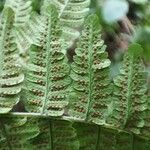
[(87, 136), (142, 36), (55, 135), (47, 77), (130, 98), (16, 133), (30, 33), (22, 10), (10, 70), (141, 144), (93, 137), (91, 90), (26, 27), (135, 49), (146, 128), (71, 15)]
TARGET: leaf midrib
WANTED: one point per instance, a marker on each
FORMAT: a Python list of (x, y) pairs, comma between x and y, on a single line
[(48, 47), (129, 88), (2, 39), (90, 73)]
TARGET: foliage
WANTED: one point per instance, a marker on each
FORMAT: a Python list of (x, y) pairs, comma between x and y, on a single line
[(34, 134), (47, 75), (17, 132), (50, 101), (71, 14), (10, 70), (56, 135), (130, 91), (89, 68)]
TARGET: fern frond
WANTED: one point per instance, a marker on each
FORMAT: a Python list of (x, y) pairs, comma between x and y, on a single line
[(141, 143), (87, 135), (22, 10), (16, 133), (21, 133), (47, 75), (130, 102), (30, 33), (91, 93), (10, 71), (146, 128), (94, 137), (56, 135), (71, 14), (23, 25)]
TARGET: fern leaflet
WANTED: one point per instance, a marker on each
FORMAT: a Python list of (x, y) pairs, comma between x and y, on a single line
[(90, 97), (71, 14), (94, 137), (10, 71), (16, 133), (24, 26), (146, 128), (47, 77), (56, 135), (130, 102), (30, 33), (22, 10)]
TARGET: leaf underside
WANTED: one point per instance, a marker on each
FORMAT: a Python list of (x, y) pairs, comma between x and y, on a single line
[(43, 134), (130, 93), (91, 89), (71, 15), (123, 106), (47, 76), (10, 70)]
